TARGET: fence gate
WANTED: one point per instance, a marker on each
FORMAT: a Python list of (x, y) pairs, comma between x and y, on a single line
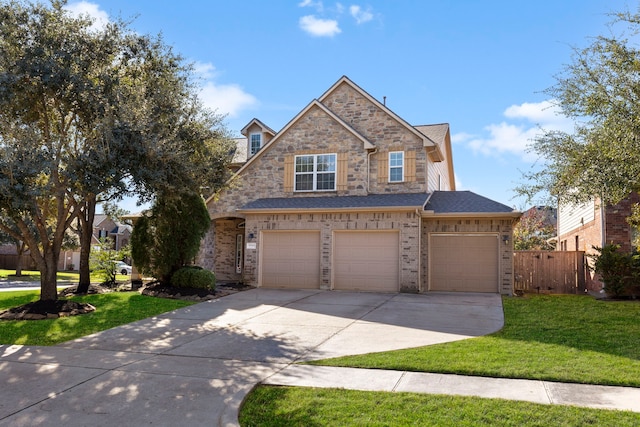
[(556, 272)]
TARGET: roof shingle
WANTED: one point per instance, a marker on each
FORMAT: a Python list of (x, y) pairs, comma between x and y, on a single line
[(415, 200), (463, 202)]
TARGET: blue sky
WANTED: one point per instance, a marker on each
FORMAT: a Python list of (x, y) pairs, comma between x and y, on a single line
[(481, 66)]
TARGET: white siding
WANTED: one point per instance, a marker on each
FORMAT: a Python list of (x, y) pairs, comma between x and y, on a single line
[(438, 176), (572, 216)]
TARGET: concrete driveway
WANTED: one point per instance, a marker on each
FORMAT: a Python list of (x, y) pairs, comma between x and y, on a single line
[(194, 366)]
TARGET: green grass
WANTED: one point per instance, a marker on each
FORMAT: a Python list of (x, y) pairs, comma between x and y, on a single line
[(309, 407), (557, 338), (70, 276), (112, 309)]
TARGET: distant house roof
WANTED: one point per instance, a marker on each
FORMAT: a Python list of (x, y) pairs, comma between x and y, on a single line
[(240, 152), (436, 133), (377, 201), (457, 202)]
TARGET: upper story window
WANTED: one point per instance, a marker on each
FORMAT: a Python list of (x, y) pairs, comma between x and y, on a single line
[(396, 166), (316, 172), (255, 143)]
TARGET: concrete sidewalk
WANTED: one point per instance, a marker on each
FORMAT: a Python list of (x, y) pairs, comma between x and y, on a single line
[(194, 366), (544, 392)]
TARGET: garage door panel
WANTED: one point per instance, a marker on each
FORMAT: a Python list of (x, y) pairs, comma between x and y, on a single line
[(366, 261), (466, 263), (290, 259)]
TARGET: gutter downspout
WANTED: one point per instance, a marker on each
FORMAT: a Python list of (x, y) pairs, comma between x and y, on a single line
[(603, 225), (419, 215)]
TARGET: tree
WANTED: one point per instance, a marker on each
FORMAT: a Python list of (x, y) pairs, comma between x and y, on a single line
[(600, 91), (535, 230), (20, 249), (90, 115), (169, 238)]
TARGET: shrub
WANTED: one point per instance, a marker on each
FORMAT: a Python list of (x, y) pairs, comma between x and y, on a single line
[(193, 277), (620, 271)]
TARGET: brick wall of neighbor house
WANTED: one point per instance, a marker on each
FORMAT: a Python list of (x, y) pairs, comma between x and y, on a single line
[(407, 223), (498, 226), (618, 229)]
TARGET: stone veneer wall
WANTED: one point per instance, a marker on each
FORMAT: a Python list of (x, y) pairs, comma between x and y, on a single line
[(383, 131), (497, 226), (408, 223)]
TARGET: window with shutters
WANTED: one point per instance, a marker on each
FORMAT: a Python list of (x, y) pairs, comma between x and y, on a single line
[(315, 172), (396, 166)]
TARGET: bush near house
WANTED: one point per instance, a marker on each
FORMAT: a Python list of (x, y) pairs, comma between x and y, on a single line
[(193, 277), (619, 270)]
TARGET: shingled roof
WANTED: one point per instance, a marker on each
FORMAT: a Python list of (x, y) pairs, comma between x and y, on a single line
[(414, 201), (446, 202)]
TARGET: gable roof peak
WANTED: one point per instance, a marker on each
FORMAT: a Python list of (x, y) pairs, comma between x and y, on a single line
[(427, 142), (255, 121)]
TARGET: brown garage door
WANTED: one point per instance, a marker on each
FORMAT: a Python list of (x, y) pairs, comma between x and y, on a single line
[(290, 259), (463, 262), (366, 261)]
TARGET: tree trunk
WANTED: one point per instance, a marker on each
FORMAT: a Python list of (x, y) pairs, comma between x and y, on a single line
[(20, 246), (85, 219), (48, 276)]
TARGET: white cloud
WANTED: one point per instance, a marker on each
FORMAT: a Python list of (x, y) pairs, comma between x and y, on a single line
[(310, 3), (525, 122), (206, 70), (226, 98), (84, 8), (319, 27), (361, 16)]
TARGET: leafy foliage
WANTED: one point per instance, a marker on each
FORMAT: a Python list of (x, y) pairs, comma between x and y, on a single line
[(88, 115), (534, 231), (193, 277), (620, 271), (104, 258), (169, 238), (600, 91)]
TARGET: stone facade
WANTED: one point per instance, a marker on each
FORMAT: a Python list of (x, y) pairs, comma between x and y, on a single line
[(347, 122)]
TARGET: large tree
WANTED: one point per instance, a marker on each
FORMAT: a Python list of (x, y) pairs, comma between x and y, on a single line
[(600, 90), (88, 115)]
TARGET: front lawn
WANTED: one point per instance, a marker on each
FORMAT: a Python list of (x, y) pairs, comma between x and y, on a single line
[(556, 338), (69, 276), (291, 406), (112, 309)]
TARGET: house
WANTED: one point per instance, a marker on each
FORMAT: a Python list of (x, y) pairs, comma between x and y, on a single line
[(581, 227), (103, 227), (349, 196)]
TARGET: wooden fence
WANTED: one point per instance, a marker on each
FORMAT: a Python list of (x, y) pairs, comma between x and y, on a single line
[(10, 261), (556, 272)]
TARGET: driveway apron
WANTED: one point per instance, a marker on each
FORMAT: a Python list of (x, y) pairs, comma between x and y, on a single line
[(194, 366)]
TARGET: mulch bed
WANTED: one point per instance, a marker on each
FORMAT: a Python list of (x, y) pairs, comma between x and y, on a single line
[(40, 310)]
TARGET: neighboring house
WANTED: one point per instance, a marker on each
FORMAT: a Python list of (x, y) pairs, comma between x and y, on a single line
[(103, 227), (349, 196), (583, 226)]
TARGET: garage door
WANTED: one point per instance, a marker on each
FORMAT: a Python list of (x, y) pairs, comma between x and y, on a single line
[(290, 259), (366, 261), (463, 262)]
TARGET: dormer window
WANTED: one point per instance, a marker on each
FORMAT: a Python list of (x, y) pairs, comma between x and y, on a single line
[(255, 143)]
